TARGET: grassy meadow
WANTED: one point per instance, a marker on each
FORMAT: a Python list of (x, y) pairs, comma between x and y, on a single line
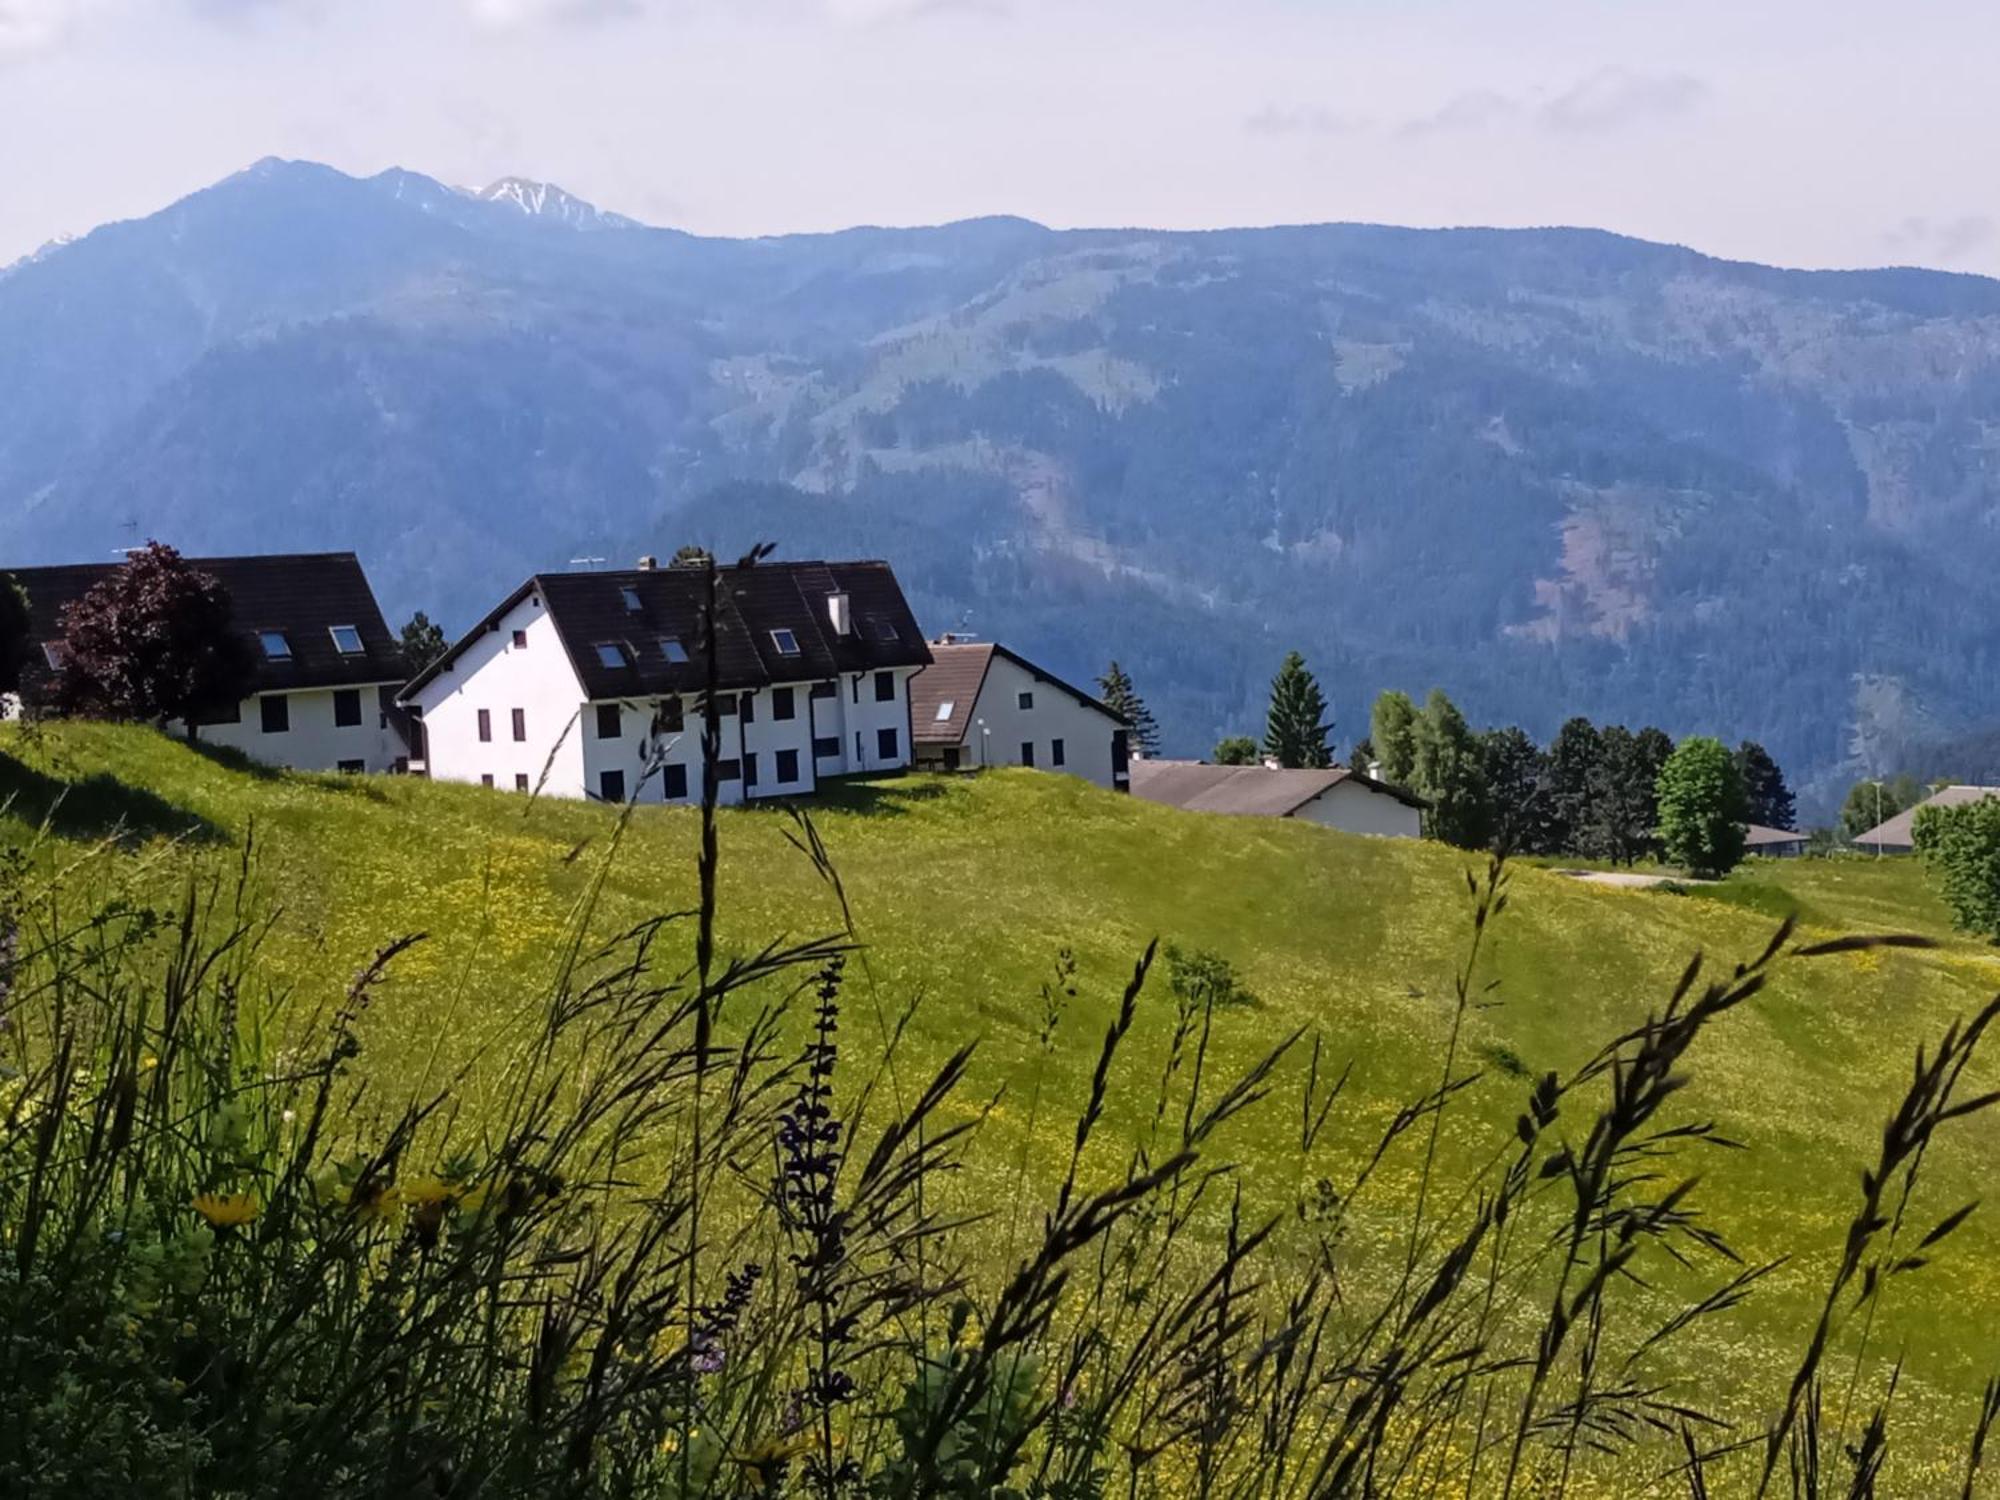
[(967, 893)]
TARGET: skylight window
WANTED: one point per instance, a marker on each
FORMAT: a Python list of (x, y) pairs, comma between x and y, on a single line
[(631, 597), (52, 653), (672, 649), (881, 629), (612, 654), (786, 642), (276, 647), (346, 640), (946, 709)]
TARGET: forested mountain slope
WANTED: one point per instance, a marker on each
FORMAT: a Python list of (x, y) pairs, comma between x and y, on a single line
[(1555, 471)]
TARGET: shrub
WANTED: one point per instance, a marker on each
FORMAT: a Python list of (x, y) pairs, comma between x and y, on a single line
[(1202, 978), (1961, 846)]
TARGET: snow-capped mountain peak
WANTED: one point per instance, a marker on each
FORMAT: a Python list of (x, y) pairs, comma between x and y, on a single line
[(544, 200)]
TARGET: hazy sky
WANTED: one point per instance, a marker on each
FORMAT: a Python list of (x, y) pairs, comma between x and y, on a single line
[(1803, 132)]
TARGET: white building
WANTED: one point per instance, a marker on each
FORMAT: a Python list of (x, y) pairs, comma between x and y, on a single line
[(592, 684), (326, 669), (979, 704), (1333, 798)]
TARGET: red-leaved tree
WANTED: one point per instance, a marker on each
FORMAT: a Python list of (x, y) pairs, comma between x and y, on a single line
[(154, 641)]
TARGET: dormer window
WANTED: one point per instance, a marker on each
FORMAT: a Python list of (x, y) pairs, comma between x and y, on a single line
[(786, 642), (672, 649), (631, 597), (52, 653), (346, 640), (276, 647), (612, 654)]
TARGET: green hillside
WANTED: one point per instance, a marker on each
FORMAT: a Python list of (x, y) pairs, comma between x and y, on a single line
[(965, 892)]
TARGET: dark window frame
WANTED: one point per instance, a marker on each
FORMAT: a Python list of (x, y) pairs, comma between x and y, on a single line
[(1028, 754), (612, 714), (784, 703), (885, 687), (785, 768), (611, 786), (1058, 753), (517, 724), (888, 744), (674, 781), (485, 721), (278, 721), (347, 708)]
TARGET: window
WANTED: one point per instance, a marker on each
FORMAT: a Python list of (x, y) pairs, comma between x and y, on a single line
[(951, 757), (612, 654), (520, 640), (346, 640), (749, 708), (750, 770), (857, 688), (1056, 752), (347, 708), (631, 597), (350, 767), (520, 724), (228, 713), (277, 713), (520, 781), (610, 721), (669, 718), (611, 785), (857, 747), (824, 690), (788, 767), (672, 649), (486, 780), (782, 705), (728, 770), (945, 711), (881, 629), (885, 743), (276, 647), (826, 748), (52, 653), (1027, 752), (1024, 700), (786, 642), (485, 726), (674, 781), (885, 687)]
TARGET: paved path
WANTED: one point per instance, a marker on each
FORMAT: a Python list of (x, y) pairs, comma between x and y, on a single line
[(1631, 879)]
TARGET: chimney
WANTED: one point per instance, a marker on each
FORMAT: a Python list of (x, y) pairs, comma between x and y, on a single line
[(648, 563), (839, 615)]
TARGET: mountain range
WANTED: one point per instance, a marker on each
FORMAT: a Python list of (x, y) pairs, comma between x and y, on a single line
[(1553, 471)]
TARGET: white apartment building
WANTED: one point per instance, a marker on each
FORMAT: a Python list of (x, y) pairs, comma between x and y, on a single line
[(593, 684)]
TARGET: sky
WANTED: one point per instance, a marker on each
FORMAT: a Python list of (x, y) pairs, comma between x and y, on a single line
[(1796, 132)]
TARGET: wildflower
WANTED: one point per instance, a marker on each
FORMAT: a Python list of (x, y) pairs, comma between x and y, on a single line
[(765, 1460), (226, 1210), (375, 1202)]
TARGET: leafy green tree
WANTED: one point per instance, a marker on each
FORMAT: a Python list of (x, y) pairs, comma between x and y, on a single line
[(1701, 807), (1573, 758), (1237, 750), (1296, 728), (1116, 690), (1769, 800), (1392, 731), (423, 642), (155, 640), (1873, 802), (14, 629), (1450, 774), (1519, 794), (1961, 846)]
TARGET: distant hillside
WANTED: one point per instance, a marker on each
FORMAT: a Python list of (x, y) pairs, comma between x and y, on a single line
[(1555, 471)]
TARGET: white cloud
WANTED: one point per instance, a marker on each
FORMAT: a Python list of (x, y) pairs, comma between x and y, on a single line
[(875, 12), (1275, 120), (1941, 241), (31, 25), (506, 13), (1614, 96)]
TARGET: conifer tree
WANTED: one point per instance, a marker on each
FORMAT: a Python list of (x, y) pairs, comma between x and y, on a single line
[(1769, 799), (1450, 773), (1116, 690), (1296, 728)]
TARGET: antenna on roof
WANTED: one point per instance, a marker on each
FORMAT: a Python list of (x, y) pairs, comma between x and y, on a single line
[(586, 562)]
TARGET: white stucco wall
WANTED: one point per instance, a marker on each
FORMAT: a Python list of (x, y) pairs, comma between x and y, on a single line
[(498, 676), (857, 718), (999, 726), (311, 740), (1354, 808)]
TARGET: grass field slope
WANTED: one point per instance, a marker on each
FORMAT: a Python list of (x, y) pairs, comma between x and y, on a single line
[(966, 893)]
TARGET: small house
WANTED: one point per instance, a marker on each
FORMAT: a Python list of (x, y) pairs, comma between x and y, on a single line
[(980, 704), (1333, 798)]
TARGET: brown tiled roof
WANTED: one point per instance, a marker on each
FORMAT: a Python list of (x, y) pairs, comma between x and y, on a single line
[(590, 609), (303, 595), (1249, 791), (1899, 832), (954, 677)]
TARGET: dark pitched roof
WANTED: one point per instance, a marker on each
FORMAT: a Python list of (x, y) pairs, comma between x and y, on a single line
[(956, 674), (304, 595), (753, 604), (1251, 791)]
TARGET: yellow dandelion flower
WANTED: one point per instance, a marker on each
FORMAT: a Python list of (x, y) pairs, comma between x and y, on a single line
[(422, 1191), (226, 1210), (473, 1199), (375, 1202)]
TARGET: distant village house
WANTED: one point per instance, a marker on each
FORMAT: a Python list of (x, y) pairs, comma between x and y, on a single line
[(979, 704), (1897, 835), (1333, 798)]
